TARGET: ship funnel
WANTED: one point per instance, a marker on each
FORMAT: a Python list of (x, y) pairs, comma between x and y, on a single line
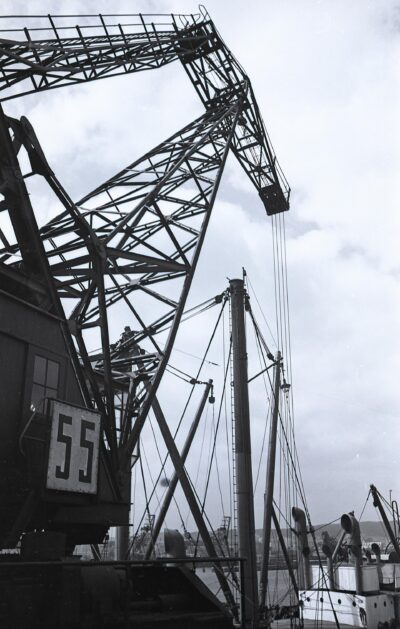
[(303, 549), (352, 528)]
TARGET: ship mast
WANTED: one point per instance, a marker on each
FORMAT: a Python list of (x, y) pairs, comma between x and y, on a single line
[(244, 479), (269, 484)]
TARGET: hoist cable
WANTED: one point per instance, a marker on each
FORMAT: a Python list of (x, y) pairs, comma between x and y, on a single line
[(216, 431)]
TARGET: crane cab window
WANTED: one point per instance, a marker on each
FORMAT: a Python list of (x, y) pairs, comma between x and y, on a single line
[(46, 376)]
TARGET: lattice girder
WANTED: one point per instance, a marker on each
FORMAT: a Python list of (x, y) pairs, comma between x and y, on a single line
[(218, 78), (42, 64), (122, 243), (108, 49)]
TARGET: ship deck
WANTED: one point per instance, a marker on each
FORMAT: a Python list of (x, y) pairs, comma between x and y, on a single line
[(307, 624)]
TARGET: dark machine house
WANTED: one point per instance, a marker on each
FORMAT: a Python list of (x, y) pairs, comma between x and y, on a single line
[(70, 420), (43, 403)]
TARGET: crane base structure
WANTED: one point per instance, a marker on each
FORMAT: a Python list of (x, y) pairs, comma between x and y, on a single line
[(112, 595)]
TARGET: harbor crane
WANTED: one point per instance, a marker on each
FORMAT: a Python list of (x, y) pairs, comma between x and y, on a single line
[(71, 418)]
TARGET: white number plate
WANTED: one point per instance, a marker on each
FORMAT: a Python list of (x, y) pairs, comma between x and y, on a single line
[(74, 449)]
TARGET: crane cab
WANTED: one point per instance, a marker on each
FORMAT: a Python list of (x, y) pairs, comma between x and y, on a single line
[(52, 475)]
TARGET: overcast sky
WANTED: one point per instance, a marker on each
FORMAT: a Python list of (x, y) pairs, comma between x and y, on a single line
[(326, 77)]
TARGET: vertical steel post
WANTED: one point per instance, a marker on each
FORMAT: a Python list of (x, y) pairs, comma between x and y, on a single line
[(269, 484), (174, 480), (122, 542), (244, 480)]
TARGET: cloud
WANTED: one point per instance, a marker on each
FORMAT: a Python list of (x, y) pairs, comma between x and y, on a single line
[(325, 76)]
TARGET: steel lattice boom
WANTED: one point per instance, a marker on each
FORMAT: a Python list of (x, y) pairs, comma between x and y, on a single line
[(149, 221), (72, 54), (104, 47)]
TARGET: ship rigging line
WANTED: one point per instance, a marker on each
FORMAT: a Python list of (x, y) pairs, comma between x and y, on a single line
[(295, 468), (216, 457), (144, 487), (261, 345), (318, 528), (183, 525), (290, 481), (259, 351), (216, 429), (290, 469), (283, 333), (223, 302), (154, 492), (213, 451), (155, 484), (200, 457), (149, 473), (261, 310)]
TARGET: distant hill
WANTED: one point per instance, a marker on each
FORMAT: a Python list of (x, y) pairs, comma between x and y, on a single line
[(369, 530), (373, 530)]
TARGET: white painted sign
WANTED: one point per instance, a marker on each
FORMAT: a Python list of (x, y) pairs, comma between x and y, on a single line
[(74, 449)]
